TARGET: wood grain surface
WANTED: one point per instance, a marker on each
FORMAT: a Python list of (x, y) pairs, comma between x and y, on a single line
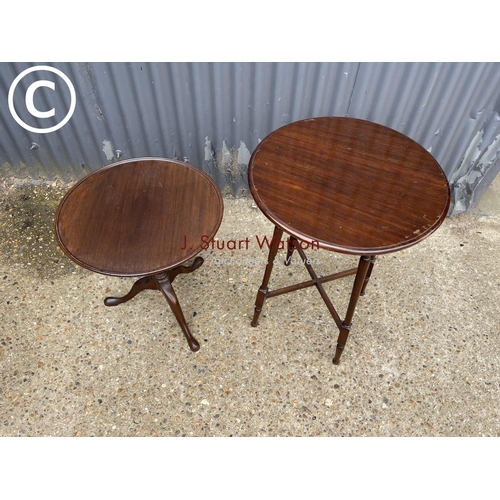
[(350, 185), (138, 217)]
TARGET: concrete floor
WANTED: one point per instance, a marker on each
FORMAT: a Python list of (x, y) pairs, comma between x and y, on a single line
[(423, 358)]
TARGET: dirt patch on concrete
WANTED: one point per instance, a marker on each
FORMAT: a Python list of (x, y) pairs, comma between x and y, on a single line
[(27, 220)]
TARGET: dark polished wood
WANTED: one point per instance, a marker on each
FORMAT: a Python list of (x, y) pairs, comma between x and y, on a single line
[(141, 217), (345, 328), (263, 290), (351, 185), (138, 217), (150, 283), (373, 258), (346, 185), (165, 286)]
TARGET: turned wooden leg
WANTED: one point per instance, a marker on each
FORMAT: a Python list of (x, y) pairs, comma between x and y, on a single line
[(261, 294), (364, 264), (147, 283), (292, 242), (165, 286), (373, 258)]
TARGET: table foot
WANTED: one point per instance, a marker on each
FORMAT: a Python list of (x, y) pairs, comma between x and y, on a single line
[(344, 333), (259, 304), (163, 283), (147, 283), (345, 327), (262, 293), (165, 286), (362, 272)]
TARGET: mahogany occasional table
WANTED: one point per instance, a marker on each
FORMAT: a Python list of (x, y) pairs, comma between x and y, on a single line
[(349, 186), (141, 217)]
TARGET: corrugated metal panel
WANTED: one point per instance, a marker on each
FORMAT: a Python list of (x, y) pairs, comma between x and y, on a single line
[(452, 109), (214, 114)]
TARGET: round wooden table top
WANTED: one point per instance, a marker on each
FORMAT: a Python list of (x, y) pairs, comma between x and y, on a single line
[(348, 185), (138, 217)]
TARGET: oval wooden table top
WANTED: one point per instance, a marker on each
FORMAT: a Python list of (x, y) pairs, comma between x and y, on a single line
[(348, 185), (138, 217)]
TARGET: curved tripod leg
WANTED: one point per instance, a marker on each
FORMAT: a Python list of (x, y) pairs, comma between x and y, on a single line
[(165, 286), (147, 283), (185, 269)]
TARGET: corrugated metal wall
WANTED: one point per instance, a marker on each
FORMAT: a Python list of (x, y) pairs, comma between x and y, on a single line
[(214, 114)]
